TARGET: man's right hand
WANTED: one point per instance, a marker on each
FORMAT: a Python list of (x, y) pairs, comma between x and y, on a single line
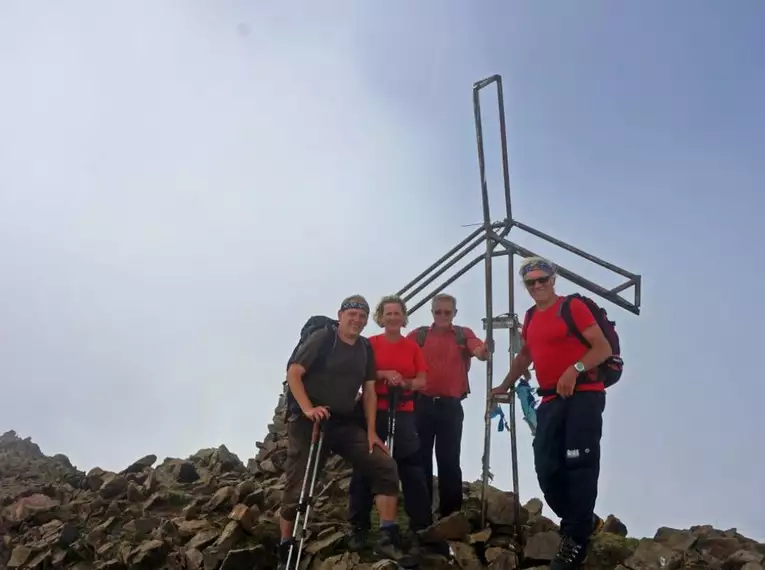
[(317, 413), (499, 390)]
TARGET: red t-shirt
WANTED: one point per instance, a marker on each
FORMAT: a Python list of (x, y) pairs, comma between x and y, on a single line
[(552, 348), (447, 369), (405, 357)]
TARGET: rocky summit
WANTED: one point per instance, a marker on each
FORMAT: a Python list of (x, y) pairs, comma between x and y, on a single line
[(210, 511)]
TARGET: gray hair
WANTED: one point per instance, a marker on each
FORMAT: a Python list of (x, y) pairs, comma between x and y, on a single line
[(445, 297)]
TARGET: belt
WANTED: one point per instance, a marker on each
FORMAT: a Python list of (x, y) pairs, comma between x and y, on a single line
[(584, 378), (437, 398)]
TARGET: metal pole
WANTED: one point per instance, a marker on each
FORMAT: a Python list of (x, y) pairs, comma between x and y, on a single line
[(505, 164), (581, 253), (510, 294), (439, 261), (512, 418), (495, 235), (606, 294), (475, 261), (489, 302), (446, 267)]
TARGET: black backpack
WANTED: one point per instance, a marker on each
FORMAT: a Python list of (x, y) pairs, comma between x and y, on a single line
[(610, 370), (313, 324)]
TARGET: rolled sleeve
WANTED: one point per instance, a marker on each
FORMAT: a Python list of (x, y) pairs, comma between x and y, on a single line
[(471, 340)]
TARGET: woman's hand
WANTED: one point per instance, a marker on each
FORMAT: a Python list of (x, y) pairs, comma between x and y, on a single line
[(393, 378)]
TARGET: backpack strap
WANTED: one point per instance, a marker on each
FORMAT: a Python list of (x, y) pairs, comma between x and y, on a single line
[(459, 336), (461, 340), (422, 334), (368, 353), (529, 315), (565, 313), (326, 348), (593, 375)]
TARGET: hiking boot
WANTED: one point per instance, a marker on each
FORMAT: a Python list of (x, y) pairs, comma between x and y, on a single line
[(597, 525), (436, 546), (570, 555), (357, 539), (283, 552), (389, 546)]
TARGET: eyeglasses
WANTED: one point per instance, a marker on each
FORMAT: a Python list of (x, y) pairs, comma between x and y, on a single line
[(445, 312), (540, 280)]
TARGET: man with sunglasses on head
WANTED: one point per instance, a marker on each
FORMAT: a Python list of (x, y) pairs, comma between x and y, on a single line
[(570, 415), (448, 349)]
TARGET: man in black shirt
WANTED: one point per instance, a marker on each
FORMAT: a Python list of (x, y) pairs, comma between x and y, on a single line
[(329, 395)]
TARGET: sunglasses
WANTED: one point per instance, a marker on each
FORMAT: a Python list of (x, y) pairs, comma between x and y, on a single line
[(540, 280), (445, 312)]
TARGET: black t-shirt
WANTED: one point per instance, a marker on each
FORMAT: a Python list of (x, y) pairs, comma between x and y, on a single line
[(346, 369)]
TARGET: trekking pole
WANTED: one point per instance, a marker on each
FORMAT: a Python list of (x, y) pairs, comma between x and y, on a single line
[(392, 405), (304, 504)]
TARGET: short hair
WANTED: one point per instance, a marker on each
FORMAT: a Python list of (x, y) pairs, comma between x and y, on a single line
[(380, 309), (445, 297), (355, 299)]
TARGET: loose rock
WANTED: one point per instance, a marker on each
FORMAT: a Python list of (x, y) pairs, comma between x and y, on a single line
[(210, 512)]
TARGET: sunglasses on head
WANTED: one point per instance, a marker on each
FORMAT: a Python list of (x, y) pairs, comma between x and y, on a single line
[(540, 280), (445, 312)]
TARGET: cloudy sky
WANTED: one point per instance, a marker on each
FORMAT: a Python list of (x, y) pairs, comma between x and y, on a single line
[(183, 183)]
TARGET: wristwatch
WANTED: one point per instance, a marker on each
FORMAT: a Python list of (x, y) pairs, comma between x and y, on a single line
[(579, 367)]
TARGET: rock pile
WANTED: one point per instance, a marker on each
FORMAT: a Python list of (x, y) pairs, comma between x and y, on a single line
[(210, 512)]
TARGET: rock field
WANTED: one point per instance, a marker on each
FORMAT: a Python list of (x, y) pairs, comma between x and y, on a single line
[(210, 511)]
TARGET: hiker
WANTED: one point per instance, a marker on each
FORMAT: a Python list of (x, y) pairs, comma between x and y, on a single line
[(324, 376), (401, 371), (448, 349), (570, 415)]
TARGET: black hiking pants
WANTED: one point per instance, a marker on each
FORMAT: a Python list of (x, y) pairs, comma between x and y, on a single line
[(567, 459), (439, 424), (406, 452)]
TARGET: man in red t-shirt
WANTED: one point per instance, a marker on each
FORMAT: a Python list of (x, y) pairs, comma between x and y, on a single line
[(570, 416), (439, 404)]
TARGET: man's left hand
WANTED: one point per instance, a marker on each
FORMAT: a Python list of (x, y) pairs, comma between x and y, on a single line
[(567, 382), (481, 352), (374, 440)]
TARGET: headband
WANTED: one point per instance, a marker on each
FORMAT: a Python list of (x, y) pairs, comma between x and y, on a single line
[(541, 264), (354, 305)]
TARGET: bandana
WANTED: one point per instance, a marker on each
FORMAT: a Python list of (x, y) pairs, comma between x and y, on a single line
[(540, 265), (354, 305)]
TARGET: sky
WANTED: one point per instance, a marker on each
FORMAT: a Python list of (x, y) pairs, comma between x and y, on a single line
[(182, 184)]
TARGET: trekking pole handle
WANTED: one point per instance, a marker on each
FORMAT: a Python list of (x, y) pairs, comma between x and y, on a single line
[(317, 426)]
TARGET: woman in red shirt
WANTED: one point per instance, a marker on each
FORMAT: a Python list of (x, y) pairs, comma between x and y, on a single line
[(401, 366)]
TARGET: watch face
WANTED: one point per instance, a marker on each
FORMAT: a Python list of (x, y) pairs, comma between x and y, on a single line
[(579, 367)]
